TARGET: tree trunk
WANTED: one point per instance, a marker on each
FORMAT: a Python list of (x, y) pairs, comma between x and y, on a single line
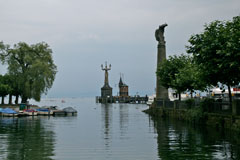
[(10, 99), (179, 98), (229, 94), (16, 100), (191, 94), (2, 99), (24, 99)]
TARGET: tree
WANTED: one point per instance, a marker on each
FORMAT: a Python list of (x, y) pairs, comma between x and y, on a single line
[(5, 89), (168, 71), (181, 74), (33, 67), (190, 77), (12, 82), (217, 52)]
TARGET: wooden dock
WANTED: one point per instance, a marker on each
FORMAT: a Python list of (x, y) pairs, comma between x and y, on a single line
[(118, 99)]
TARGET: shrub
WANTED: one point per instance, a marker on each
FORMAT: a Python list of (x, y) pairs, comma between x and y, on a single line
[(190, 103), (207, 104)]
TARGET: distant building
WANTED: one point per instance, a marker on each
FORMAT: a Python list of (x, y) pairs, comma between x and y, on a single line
[(123, 88)]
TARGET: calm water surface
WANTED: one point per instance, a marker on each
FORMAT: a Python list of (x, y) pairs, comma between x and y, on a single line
[(114, 131)]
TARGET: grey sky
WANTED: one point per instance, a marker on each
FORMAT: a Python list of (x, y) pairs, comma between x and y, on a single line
[(84, 34)]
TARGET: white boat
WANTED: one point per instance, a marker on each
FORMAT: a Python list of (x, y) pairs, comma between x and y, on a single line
[(151, 99), (30, 112), (221, 93), (172, 95), (43, 111)]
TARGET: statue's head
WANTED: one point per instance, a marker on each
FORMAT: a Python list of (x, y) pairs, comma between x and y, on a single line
[(163, 25)]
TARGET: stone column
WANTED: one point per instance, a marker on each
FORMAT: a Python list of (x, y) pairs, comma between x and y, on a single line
[(161, 92)]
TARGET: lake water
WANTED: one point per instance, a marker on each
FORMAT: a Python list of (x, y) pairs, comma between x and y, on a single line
[(113, 131)]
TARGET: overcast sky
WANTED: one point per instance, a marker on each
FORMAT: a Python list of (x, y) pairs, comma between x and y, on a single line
[(83, 34)]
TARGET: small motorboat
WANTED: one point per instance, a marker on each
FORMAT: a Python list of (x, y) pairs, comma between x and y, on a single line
[(30, 112), (56, 111), (59, 112), (8, 112), (44, 111), (70, 111)]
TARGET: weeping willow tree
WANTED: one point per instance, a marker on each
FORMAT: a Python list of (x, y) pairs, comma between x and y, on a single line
[(32, 65)]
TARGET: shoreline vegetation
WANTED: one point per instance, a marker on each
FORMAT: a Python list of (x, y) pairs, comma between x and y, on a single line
[(30, 71), (212, 62), (200, 115)]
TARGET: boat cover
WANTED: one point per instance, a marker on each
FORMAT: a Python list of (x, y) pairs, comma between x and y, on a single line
[(29, 110), (42, 110), (8, 111), (70, 110), (0, 109)]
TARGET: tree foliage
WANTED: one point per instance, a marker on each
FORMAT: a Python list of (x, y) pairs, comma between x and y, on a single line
[(217, 52), (190, 77), (31, 67), (5, 89), (169, 72), (179, 73)]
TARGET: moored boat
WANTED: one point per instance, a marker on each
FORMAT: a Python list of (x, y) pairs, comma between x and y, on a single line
[(30, 112), (151, 100), (44, 111), (55, 110), (59, 113), (70, 111), (8, 112)]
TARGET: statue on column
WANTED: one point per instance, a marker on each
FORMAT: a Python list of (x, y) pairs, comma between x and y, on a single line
[(159, 34), (161, 92), (106, 90), (106, 69)]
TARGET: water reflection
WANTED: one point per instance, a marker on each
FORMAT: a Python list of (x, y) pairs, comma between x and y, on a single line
[(107, 110), (178, 140), (112, 131), (123, 119), (107, 119), (25, 138)]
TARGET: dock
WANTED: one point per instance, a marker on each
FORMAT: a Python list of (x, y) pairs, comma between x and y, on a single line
[(118, 99)]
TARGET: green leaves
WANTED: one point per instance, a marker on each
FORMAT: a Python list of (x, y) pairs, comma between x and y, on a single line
[(32, 66), (5, 88), (217, 51), (180, 73)]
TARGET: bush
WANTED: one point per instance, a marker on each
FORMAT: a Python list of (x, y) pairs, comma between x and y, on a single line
[(190, 103), (207, 104), (195, 115)]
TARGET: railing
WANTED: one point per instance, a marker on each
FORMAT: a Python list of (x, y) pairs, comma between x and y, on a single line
[(221, 107), (216, 107)]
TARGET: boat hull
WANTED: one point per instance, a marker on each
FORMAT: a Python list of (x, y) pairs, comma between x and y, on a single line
[(9, 114), (45, 113)]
